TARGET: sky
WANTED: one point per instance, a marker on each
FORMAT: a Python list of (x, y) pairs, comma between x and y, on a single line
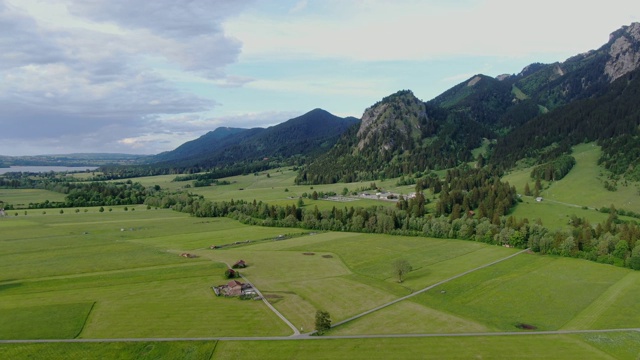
[(144, 76)]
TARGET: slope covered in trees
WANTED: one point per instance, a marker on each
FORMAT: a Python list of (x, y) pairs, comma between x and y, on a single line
[(614, 112), (398, 135)]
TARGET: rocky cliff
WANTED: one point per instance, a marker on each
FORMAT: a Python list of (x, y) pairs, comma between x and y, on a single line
[(624, 51)]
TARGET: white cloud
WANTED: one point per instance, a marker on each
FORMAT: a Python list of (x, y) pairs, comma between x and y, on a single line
[(417, 30), (83, 70), (299, 6)]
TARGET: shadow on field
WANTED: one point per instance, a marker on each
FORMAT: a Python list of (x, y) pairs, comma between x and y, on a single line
[(9, 284)]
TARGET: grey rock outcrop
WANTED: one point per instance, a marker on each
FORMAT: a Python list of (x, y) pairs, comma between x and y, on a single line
[(624, 52)]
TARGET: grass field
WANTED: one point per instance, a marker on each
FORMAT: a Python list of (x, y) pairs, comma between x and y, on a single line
[(584, 184), (118, 274), (579, 193), (65, 264), (606, 346), (21, 198), (146, 350)]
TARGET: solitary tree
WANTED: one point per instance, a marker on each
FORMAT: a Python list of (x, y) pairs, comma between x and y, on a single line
[(401, 267), (323, 322)]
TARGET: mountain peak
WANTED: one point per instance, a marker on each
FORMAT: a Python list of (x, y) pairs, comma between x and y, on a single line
[(401, 112)]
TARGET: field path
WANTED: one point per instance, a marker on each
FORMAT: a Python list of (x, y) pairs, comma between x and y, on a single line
[(296, 332), (587, 317), (426, 289)]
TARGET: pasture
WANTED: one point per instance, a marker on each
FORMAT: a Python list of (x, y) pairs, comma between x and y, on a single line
[(579, 193), (606, 346), (21, 198), (89, 267), (118, 274)]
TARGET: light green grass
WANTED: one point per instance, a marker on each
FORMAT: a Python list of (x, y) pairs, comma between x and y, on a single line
[(545, 292), (481, 150), (56, 321), (579, 193), (584, 184), (604, 302), (144, 350), (139, 288), (519, 94), (127, 263), (350, 273), (554, 215), (618, 345), (21, 198), (408, 317), (489, 347)]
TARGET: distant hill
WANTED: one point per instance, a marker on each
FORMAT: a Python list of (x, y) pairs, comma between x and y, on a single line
[(305, 136), (77, 159), (207, 143)]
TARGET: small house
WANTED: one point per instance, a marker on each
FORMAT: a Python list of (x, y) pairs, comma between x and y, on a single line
[(539, 199), (239, 264)]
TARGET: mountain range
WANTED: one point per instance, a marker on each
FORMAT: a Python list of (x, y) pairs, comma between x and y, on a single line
[(531, 117), (528, 118)]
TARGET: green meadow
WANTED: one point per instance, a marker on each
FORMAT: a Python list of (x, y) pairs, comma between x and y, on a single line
[(21, 198), (580, 193), (85, 274)]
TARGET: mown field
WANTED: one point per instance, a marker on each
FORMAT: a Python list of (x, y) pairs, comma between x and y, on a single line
[(119, 275)]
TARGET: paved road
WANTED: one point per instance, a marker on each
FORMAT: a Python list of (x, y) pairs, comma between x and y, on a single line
[(306, 337)]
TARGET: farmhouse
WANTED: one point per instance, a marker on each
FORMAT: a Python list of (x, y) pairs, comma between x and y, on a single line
[(234, 288), (2, 212), (187, 255)]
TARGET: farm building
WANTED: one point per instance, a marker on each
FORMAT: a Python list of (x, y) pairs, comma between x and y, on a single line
[(239, 264), (234, 288)]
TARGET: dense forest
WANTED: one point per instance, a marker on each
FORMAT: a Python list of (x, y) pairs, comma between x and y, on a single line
[(603, 118)]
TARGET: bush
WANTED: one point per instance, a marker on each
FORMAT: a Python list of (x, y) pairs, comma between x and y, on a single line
[(231, 274)]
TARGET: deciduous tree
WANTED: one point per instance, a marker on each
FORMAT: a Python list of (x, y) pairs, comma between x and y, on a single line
[(400, 268), (323, 321)]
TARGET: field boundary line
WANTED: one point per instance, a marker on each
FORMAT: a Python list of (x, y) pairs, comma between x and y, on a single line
[(426, 289), (86, 319)]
